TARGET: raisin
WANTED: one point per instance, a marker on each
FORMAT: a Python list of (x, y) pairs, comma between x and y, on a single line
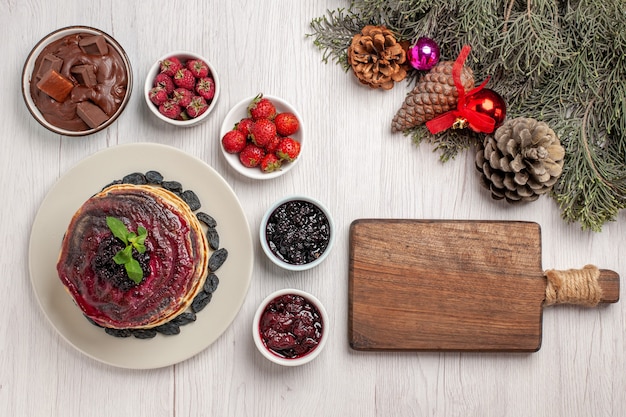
[(214, 238), (191, 199), (144, 333), (211, 283), (173, 186), (136, 178), (168, 329), (118, 332), (217, 259), (185, 318), (206, 219), (201, 301), (154, 177)]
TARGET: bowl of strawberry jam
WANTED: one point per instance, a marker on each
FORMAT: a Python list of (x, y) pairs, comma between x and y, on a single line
[(290, 327)]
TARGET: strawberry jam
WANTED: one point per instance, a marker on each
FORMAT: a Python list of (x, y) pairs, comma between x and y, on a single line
[(291, 326)]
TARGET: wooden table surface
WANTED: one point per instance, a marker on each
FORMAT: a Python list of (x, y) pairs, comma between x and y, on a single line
[(355, 166)]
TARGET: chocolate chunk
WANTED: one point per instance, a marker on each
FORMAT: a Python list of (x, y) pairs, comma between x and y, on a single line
[(84, 74), (91, 114), (55, 85), (94, 45), (49, 62)]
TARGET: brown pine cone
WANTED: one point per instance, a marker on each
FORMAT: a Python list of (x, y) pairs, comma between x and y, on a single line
[(377, 58), (434, 94), (522, 160)]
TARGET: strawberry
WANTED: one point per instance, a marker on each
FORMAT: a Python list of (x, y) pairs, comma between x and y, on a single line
[(272, 145), (196, 107), (261, 108), (244, 125), (288, 149), (170, 65), (198, 68), (170, 109), (205, 87), (270, 163), (185, 79), (158, 95), (164, 81), (182, 96), (262, 132), (234, 141), (251, 155), (286, 124)]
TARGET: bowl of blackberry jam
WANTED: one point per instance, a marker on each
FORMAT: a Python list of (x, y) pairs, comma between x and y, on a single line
[(297, 233), (290, 327)]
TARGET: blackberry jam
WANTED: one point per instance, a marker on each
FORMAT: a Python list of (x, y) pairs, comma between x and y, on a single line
[(291, 326), (107, 270), (297, 232)]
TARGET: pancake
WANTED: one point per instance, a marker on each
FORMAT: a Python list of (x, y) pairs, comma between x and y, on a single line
[(175, 262)]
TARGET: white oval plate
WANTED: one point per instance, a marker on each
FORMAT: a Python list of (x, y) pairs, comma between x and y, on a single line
[(87, 178)]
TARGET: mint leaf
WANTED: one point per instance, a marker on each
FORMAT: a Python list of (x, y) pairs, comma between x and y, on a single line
[(124, 256), (133, 269), (131, 240)]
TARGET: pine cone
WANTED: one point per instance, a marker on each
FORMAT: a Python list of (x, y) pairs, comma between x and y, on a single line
[(434, 94), (521, 160), (377, 58)]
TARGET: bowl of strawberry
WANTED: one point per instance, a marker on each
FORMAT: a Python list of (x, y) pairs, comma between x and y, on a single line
[(182, 88), (290, 327), (262, 137)]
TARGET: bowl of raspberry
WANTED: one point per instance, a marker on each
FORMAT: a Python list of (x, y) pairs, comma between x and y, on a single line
[(290, 327), (262, 137), (297, 233), (182, 88)]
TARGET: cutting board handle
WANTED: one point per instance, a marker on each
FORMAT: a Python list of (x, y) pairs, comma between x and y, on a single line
[(587, 286)]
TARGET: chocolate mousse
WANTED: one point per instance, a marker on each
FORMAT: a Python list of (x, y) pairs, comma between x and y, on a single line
[(79, 82)]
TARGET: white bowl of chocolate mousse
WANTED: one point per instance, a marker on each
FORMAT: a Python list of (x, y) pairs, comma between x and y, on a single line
[(77, 81)]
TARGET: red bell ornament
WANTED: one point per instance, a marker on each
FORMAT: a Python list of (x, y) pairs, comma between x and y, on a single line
[(489, 103)]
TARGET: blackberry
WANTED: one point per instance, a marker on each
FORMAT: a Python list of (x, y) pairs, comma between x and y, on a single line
[(107, 270)]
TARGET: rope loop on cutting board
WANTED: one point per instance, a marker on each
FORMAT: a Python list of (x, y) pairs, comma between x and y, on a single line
[(574, 286)]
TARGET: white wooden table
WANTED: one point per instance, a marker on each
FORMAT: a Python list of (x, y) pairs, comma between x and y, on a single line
[(356, 167)]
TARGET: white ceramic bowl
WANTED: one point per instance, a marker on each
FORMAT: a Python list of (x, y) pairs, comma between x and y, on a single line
[(240, 111), (154, 71), (29, 67), (269, 354), (280, 262)]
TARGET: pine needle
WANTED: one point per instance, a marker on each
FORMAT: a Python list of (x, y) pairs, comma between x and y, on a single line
[(562, 62)]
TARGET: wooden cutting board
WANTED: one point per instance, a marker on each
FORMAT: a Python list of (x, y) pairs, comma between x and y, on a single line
[(449, 285)]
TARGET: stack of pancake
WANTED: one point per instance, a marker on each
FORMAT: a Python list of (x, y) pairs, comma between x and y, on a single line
[(176, 249)]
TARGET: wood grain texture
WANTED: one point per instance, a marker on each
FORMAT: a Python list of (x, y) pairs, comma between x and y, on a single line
[(445, 285), (356, 167)]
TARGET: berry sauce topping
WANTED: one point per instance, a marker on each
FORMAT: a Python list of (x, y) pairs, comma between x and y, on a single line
[(297, 232), (106, 270), (291, 326)]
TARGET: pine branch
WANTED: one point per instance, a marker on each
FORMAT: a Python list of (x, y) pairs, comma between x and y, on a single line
[(333, 33), (449, 143), (562, 62)]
